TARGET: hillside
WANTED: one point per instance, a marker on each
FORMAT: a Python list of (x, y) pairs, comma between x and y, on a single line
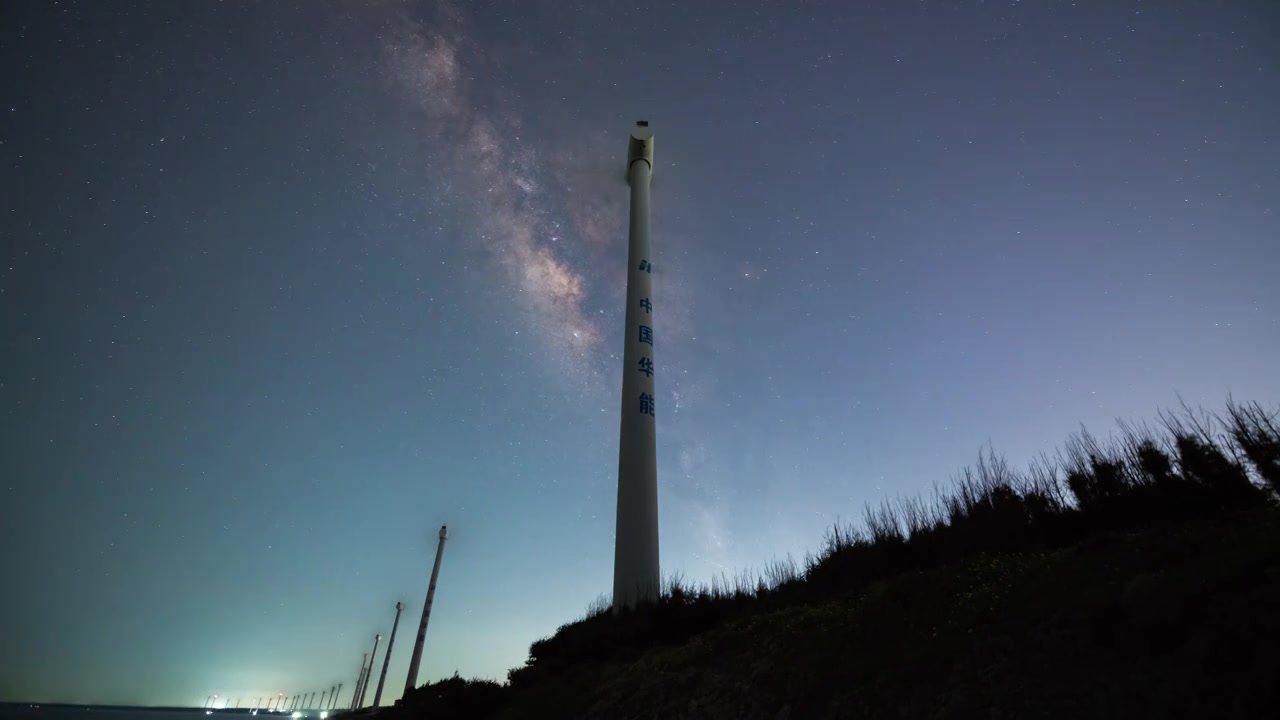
[(1151, 624), (1136, 578)]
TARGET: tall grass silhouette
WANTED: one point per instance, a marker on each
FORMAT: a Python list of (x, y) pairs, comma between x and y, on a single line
[(1188, 465)]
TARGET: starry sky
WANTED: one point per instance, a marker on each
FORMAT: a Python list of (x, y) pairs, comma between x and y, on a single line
[(285, 286)]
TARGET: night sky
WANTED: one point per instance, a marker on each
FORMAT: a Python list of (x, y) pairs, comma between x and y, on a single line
[(285, 286)]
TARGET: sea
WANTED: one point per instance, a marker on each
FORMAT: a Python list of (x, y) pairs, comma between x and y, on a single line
[(32, 711)]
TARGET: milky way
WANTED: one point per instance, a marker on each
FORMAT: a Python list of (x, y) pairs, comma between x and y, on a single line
[(520, 193), (513, 219)]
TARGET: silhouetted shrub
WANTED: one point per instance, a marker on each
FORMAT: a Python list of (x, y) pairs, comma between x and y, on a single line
[(1155, 464), (1138, 480), (1257, 434), (453, 698)]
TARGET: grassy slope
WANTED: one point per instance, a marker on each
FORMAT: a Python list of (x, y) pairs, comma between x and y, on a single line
[(1179, 622), (1134, 578)]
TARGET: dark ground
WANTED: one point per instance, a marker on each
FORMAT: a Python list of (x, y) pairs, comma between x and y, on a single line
[(1167, 622), (1138, 578)]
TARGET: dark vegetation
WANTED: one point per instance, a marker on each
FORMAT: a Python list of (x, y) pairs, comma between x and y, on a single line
[(1107, 566)]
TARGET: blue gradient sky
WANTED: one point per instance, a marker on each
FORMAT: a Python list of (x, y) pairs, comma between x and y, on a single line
[(288, 285)]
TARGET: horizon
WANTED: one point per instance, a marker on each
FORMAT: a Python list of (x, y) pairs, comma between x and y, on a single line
[(291, 286)]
